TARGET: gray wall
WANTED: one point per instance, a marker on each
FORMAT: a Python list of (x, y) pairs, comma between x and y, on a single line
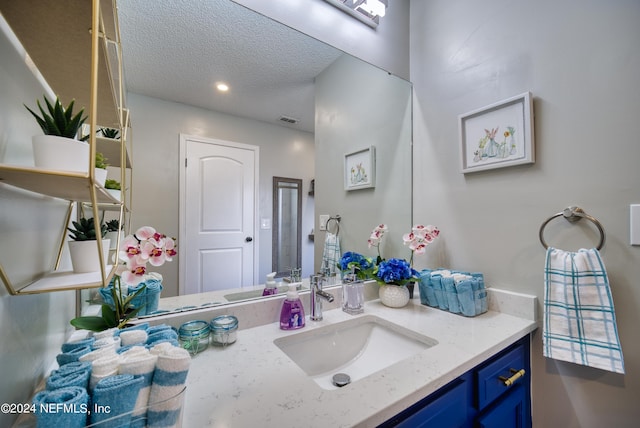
[(357, 106), (33, 327), (387, 46), (157, 125), (581, 61)]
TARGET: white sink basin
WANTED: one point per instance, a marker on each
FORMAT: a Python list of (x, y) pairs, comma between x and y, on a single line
[(358, 347)]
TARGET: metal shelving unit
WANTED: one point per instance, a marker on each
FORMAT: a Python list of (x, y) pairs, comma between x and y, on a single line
[(86, 65)]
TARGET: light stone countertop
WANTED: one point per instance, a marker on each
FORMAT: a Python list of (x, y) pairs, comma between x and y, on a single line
[(252, 383)]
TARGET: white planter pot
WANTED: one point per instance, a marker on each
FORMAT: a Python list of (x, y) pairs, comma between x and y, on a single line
[(101, 176), (59, 153), (113, 238), (394, 296), (84, 255), (115, 193)]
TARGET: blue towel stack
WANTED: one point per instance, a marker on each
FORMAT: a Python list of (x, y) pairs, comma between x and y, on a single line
[(63, 407), (453, 291), (115, 397)]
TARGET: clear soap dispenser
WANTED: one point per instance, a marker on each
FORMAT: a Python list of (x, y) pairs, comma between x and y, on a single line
[(292, 313), (352, 294)]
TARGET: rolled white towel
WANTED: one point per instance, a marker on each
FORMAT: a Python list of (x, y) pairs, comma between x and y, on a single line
[(133, 337), (105, 334), (139, 361), (113, 341), (98, 353), (103, 367), (165, 401)]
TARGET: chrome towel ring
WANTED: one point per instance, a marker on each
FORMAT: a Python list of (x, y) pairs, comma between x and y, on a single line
[(573, 214), (335, 218)]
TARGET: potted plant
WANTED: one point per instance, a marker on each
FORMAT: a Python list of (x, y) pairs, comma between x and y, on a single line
[(60, 148), (101, 169), (132, 281), (83, 247), (113, 230), (110, 133), (113, 187)]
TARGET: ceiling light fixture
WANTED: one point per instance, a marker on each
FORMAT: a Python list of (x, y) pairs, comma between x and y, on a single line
[(222, 87), (367, 11)]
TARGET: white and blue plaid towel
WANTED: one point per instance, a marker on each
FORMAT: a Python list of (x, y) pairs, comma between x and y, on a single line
[(579, 319), (331, 253)]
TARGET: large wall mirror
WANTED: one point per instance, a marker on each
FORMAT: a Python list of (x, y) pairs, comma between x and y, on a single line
[(173, 56)]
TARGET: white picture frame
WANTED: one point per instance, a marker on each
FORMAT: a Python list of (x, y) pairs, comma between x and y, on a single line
[(360, 169), (498, 135)]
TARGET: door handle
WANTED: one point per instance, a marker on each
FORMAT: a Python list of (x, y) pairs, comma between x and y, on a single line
[(248, 239)]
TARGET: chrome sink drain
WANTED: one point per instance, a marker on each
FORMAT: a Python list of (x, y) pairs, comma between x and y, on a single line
[(341, 379)]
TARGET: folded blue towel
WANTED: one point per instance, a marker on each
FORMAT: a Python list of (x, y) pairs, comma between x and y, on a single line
[(143, 326), (466, 296), (72, 374), (116, 396), (72, 356), (449, 288), (64, 407), (167, 387), (427, 293), (138, 361), (438, 289), (160, 327), (69, 346), (152, 295)]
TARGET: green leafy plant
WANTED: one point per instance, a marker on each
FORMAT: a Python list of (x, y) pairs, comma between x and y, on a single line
[(113, 225), (59, 120), (112, 184), (101, 161), (84, 230), (110, 133)]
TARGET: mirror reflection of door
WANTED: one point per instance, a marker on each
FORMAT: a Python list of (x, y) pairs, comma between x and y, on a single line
[(218, 197), (287, 224)]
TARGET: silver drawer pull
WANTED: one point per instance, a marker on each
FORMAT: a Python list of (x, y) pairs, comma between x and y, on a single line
[(515, 375)]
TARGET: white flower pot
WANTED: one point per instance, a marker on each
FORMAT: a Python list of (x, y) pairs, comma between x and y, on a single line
[(394, 296), (59, 153), (84, 255), (115, 193), (113, 238), (101, 176)]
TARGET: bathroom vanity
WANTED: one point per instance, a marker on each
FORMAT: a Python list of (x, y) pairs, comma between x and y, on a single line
[(458, 375)]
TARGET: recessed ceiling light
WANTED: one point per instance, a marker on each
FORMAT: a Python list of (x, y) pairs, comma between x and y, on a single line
[(222, 87)]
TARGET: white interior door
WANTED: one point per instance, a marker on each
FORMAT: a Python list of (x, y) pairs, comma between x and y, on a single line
[(218, 195)]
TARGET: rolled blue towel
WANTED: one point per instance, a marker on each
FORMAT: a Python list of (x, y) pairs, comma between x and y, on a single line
[(167, 388), (64, 407), (152, 295), (72, 356), (115, 397), (72, 374), (172, 342), (450, 293), (427, 293), (165, 335), (66, 347), (160, 327), (466, 296), (140, 301)]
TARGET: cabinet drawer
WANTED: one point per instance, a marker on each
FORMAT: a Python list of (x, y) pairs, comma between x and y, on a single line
[(491, 380)]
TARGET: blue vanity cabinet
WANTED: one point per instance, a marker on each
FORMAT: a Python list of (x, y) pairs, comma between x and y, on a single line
[(495, 394)]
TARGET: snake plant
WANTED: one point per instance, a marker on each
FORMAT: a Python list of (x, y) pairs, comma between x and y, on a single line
[(59, 120)]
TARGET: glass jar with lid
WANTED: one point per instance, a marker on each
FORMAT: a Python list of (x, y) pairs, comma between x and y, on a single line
[(224, 330), (194, 336)]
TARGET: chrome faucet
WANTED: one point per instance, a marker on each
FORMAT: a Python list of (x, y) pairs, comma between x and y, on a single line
[(315, 283)]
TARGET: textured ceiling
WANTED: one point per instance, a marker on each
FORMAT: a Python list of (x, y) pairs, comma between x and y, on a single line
[(178, 50)]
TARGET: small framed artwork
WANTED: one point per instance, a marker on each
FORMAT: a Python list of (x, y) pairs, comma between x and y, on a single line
[(498, 135), (360, 169)]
